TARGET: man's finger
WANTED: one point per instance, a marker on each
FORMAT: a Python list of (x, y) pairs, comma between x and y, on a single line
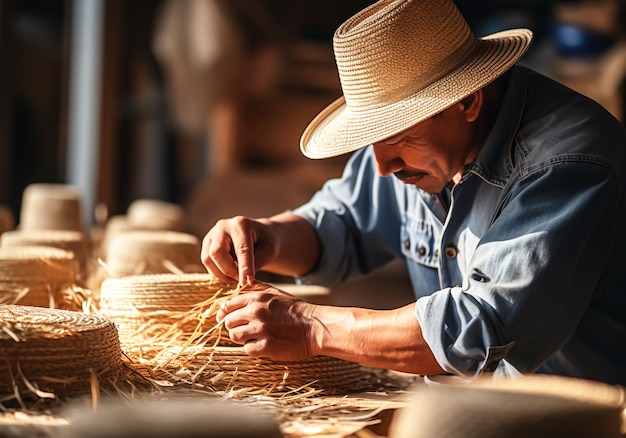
[(244, 253)]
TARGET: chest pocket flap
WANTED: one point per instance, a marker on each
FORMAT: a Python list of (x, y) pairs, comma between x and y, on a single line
[(419, 242)]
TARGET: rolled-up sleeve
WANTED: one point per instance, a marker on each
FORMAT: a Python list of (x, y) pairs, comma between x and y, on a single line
[(462, 331)]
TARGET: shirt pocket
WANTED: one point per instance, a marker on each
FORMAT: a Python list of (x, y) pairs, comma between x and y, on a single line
[(418, 242)]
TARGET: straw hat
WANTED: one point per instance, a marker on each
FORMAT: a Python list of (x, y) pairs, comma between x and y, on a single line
[(134, 252), (156, 214), (225, 368), (167, 322), (155, 307), (175, 416), (73, 241), (56, 351), (51, 207), (36, 276), (401, 62), (530, 406)]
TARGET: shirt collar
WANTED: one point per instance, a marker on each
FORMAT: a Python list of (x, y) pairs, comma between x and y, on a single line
[(494, 162)]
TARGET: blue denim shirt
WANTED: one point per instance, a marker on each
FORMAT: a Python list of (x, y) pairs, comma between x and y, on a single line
[(521, 267)]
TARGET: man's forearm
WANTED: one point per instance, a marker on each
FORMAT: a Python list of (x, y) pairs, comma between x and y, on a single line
[(298, 245), (389, 339)]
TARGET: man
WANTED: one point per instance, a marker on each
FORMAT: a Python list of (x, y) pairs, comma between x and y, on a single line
[(502, 190)]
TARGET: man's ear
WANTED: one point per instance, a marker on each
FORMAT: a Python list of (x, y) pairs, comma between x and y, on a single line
[(472, 105)]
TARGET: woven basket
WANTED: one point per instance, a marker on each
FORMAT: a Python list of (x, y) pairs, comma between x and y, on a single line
[(160, 308), (51, 207), (36, 276), (156, 214), (56, 351), (136, 252), (75, 242)]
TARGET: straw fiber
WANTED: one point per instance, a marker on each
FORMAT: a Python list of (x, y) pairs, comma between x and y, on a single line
[(36, 276), (136, 252), (55, 351)]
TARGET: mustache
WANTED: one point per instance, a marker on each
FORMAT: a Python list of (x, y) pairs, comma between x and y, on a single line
[(407, 173)]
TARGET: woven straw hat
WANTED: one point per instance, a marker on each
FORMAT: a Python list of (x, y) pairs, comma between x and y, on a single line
[(134, 252), (156, 214), (56, 351), (36, 276), (530, 406), (72, 241), (168, 322), (225, 368), (147, 307), (188, 416), (401, 62), (51, 207)]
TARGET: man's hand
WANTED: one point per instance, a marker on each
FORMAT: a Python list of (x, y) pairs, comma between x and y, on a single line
[(236, 248), (273, 324), (269, 323)]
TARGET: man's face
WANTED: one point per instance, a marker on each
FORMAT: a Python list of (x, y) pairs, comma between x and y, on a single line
[(429, 154)]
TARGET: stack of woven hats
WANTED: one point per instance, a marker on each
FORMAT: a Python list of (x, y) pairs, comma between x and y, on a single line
[(49, 347), (47, 254), (51, 216)]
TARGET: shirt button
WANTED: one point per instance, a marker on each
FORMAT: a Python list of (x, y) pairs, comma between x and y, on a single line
[(450, 251), (421, 250), (436, 253), (407, 244)]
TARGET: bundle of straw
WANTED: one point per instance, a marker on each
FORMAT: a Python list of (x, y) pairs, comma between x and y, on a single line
[(52, 353), (36, 276), (136, 252)]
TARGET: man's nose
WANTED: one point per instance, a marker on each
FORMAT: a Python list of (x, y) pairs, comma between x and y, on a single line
[(387, 160)]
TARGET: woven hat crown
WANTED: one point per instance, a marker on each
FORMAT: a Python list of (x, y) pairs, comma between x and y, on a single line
[(393, 48)]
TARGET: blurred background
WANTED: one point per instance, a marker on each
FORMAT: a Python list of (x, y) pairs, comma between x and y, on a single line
[(202, 102)]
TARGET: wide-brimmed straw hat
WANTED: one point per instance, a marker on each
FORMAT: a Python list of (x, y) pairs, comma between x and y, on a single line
[(528, 406), (401, 62)]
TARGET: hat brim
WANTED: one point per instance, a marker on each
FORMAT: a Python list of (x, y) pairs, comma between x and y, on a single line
[(338, 129)]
